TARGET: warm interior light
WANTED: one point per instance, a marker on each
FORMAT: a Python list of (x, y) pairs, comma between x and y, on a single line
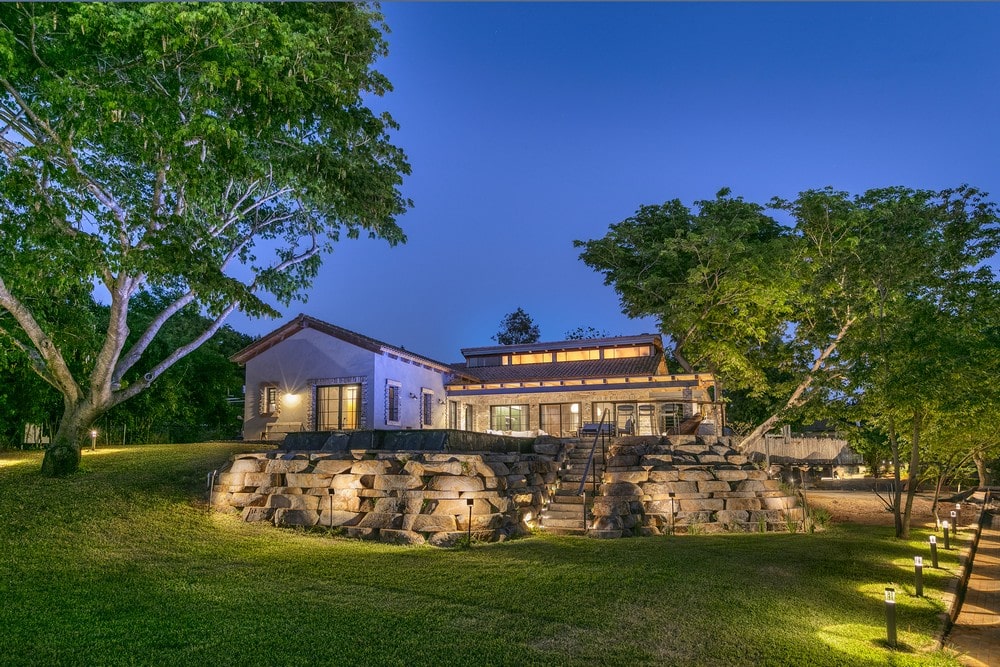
[(574, 408)]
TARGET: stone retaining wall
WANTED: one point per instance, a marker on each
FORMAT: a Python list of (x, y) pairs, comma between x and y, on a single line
[(654, 485), (400, 497)]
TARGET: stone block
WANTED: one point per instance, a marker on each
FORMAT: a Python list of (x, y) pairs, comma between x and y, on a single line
[(621, 489), (737, 459), (446, 539), (547, 448), (702, 504), (743, 504), (262, 479), (346, 503), (757, 474), (750, 485), (607, 523), (712, 486), (430, 522), (393, 536), (247, 499), (623, 460), (732, 516), (361, 533), (657, 460), (516, 481), (307, 479), (251, 514), (695, 475), (662, 506), (381, 520), (688, 518), (634, 476), (457, 483), (605, 506), (281, 466), (711, 458), (780, 503), (295, 517), (346, 481), (375, 493), (657, 488), (245, 465), (391, 482), (664, 475), (370, 467), (731, 475), (332, 466), (338, 518)]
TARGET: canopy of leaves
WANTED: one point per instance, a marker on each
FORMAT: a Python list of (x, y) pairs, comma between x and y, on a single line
[(517, 328)]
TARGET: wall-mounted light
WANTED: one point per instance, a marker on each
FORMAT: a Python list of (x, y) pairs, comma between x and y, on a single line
[(413, 396), (440, 401), (291, 400)]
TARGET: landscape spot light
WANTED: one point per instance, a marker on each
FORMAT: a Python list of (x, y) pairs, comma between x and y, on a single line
[(470, 502), (918, 569), (934, 560), (890, 616)]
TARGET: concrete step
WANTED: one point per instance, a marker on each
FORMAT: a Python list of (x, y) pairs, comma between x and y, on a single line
[(576, 523), (576, 509), (564, 531), (574, 513), (567, 497)]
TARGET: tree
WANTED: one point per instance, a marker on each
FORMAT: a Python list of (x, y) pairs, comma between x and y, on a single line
[(517, 328), (862, 297), (213, 152), (586, 333)]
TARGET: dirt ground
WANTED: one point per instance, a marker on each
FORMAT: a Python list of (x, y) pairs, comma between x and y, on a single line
[(857, 504)]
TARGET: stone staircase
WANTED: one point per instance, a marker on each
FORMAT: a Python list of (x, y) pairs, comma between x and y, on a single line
[(564, 515)]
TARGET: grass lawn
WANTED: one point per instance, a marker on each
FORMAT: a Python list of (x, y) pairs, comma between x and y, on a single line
[(122, 564)]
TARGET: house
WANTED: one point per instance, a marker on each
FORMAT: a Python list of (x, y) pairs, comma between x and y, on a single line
[(314, 376), (309, 375)]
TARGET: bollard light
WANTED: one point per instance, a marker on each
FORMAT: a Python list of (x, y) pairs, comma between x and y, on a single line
[(934, 560), (947, 543), (670, 495), (470, 503), (93, 442), (918, 569), (954, 523), (890, 616), (331, 492)]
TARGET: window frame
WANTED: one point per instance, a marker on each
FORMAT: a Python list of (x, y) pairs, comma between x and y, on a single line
[(393, 393)]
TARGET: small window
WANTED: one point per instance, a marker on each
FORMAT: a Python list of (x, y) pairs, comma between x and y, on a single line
[(268, 400), (578, 355), (392, 392), (427, 408)]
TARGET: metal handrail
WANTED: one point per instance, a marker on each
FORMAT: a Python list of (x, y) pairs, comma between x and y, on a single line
[(590, 459)]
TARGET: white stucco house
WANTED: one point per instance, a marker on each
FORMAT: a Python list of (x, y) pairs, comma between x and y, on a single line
[(309, 375)]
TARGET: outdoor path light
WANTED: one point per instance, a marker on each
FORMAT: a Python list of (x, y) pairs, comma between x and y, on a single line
[(93, 445), (947, 542), (890, 617), (934, 560), (918, 568)]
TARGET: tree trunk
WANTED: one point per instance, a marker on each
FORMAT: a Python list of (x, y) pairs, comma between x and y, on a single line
[(984, 475), (62, 456), (894, 445), (912, 477)]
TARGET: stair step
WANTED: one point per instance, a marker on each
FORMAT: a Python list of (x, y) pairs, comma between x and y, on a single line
[(574, 513), (564, 531), (567, 497), (576, 523), (575, 508)]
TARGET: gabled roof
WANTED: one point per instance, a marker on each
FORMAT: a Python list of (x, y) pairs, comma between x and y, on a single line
[(303, 321), (556, 346)]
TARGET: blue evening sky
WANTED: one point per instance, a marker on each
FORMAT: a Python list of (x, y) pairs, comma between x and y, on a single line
[(531, 125)]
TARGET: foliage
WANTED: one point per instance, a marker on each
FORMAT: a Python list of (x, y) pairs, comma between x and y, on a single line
[(131, 554), (212, 152), (517, 328), (586, 333)]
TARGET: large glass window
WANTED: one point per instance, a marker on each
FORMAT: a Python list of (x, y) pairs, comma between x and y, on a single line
[(560, 419), (509, 417), (536, 358), (338, 407), (628, 352)]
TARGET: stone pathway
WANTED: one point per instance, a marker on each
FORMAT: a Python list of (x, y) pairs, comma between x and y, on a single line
[(976, 633)]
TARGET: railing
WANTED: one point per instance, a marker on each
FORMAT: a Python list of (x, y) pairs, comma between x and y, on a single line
[(599, 436)]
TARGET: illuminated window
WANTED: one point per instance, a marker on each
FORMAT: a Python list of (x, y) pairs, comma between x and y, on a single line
[(509, 417), (392, 392), (628, 352), (536, 358), (338, 407), (578, 355)]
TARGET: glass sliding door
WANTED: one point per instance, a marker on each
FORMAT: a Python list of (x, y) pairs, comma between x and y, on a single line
[(560, 419), (338, 407)]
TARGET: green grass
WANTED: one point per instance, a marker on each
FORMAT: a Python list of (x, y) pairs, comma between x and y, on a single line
[(122, 564)]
